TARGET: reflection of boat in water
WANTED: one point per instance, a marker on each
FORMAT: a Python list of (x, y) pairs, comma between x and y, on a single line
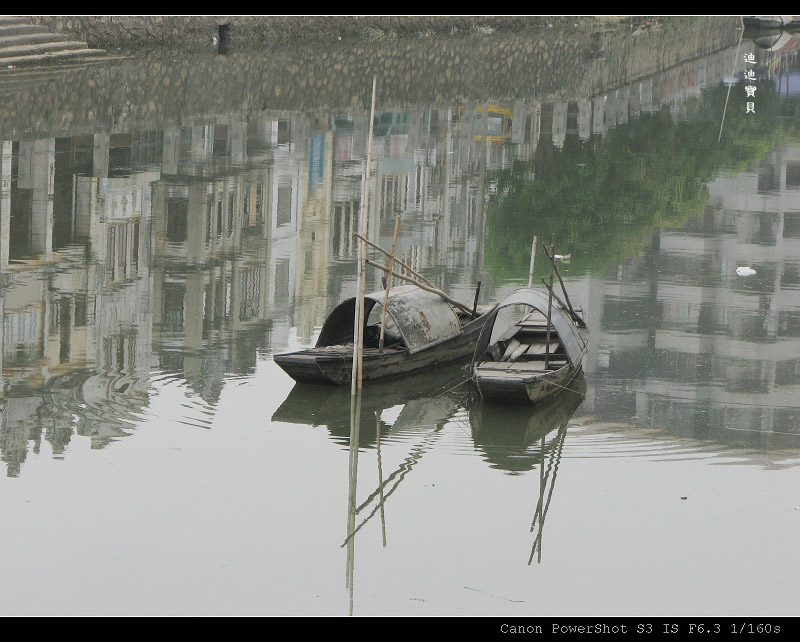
[(516, 439), (771, 22), (776, 40), (330, 405), (506, 433), (514, 362), (422, 331), (423, 416)]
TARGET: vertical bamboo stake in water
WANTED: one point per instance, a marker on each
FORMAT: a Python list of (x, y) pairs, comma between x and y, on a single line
[(358, 335), (358, 353), (550, 301), (533, 260), (390, 266)]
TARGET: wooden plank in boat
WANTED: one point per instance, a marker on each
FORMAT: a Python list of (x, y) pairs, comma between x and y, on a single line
[(494, 365), (510, 348), (518, 351), (540, 348)]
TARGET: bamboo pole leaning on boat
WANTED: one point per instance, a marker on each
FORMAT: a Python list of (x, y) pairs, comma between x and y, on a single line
[(574, 314), (461, 306), (390, 266), (403, 263), (559, 301)]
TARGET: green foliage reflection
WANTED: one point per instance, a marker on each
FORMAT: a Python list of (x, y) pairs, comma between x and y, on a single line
[(603, 199)]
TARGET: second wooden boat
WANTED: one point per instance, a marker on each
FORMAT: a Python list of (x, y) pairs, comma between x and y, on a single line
[(513, 362)]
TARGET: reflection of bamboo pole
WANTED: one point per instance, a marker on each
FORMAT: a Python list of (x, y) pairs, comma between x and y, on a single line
[(398, 475), (533, 260), (358, 334), (550, 301), (380, 471), (355, 426), (422, 286), (733, 71), (403, 263), (390, 265), (555, 460)]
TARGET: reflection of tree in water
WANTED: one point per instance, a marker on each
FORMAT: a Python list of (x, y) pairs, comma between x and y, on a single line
[(602, 199)]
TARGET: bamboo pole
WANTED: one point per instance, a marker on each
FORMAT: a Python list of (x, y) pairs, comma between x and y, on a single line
[(550, 301), (563, 287), (358, 334), (422, 286), (390, 265), (561, 303), (533, 259), (475, 302), (404, 263)]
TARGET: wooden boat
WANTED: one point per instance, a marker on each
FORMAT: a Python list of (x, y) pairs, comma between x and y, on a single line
[(422, 331), (512, 362)]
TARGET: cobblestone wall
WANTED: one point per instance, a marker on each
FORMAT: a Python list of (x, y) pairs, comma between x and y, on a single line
[(158, 91), (196, 32)]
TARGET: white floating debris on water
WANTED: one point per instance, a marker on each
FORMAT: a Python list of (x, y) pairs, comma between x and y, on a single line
[(745, 271), (562, 257)]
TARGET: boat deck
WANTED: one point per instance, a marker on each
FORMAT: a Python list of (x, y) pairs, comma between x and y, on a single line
[(526, 351)]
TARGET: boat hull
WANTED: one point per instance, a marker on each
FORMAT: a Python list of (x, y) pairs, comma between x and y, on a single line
[(500, 387)]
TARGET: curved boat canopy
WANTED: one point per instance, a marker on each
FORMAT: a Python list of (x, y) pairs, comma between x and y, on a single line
[(500, 326), (423, 319)]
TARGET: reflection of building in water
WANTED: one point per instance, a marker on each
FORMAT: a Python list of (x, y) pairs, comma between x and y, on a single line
[(207, 241), (75, 314), (212, 252), (715, 352)]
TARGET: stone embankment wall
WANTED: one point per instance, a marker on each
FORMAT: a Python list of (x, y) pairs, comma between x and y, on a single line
[(198, 32), (159, 91)]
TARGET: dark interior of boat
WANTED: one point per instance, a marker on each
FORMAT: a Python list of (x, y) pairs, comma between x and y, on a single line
[(338, 330), (523, 347)]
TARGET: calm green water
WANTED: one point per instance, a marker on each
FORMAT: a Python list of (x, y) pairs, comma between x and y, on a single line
[(157, 460)]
